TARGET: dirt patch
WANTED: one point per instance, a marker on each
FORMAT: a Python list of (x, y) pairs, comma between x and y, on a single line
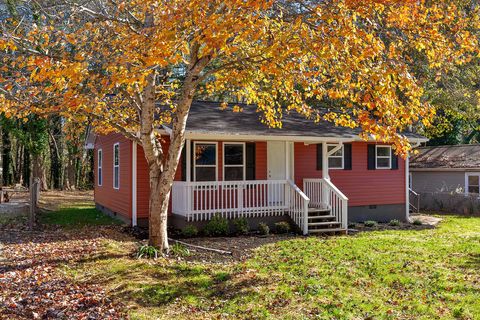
[(241, 247), (426, 220)]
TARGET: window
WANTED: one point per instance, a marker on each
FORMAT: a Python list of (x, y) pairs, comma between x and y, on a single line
[(234, 161), (472, 183), (99, 167), (335, 161), (116, 166), (205, 161), (383, 157)]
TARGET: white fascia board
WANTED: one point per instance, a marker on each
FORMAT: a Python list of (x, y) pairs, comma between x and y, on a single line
[(444, 169), (195, 135)]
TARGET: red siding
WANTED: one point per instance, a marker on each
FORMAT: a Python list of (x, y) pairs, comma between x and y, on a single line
[(360, 185), (143, 183), (119, 201)]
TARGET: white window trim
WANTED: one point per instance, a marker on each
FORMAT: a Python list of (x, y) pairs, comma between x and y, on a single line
[(342, 156), (205, 166), (389, 157), (234, 165), (100, 167), (468, 174), (113, 173)]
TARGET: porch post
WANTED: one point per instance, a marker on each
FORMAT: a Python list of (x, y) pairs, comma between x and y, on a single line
[(188, 160), (187, 189), (325, 173)]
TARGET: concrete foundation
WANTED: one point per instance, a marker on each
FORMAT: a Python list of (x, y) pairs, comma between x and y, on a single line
[(379, 213)]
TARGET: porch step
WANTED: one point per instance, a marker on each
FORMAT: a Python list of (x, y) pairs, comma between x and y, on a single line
[(321, 217), (331, 230), (313, 212), (322, 224)]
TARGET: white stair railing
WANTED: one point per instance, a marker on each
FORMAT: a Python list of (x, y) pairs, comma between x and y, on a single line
[(414, 201), (298, 206), (324, 194)]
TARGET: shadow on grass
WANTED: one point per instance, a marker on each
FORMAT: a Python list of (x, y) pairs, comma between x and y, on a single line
[(473, 261), (163, 284)]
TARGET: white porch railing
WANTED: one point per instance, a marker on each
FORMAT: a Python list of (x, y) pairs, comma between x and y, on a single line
[(298, 207), (200, 201), (323, 193)]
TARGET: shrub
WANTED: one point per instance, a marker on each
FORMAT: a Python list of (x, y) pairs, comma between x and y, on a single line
[(352, 225), (146, 251), (190, 231), (263, 228), (282, 227), (370, 223), (394, 223), (417, 222), (241, 225), (179, 250), (216, 227)]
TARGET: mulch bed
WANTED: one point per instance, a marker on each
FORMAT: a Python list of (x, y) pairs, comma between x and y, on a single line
[(32, 284), (241, 247)]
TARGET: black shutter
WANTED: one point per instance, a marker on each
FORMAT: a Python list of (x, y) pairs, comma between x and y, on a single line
[(347, 156), (184, 163), (319, 156), (250, 159), (394, 161), (371, 156)]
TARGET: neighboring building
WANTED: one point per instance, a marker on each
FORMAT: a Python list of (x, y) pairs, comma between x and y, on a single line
[(453, 169), (446, 178), (235, 166)]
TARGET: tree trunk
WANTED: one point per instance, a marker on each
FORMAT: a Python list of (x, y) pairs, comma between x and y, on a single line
[(6, 158), (162, 165), (159, 202), (38, 170)]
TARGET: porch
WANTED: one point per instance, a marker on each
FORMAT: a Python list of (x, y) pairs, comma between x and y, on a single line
[(315, 206)]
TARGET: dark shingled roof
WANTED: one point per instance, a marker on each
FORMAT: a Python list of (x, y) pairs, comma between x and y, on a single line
[(451, 157), (208, 117)]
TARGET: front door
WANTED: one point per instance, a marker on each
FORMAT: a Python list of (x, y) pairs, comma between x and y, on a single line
[(276, 166)]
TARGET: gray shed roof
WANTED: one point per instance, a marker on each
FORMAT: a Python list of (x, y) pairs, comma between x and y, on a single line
[(209, 118), (447, 157)]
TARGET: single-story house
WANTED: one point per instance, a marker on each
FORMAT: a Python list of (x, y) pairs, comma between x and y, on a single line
[(317, 175), (453, 169)]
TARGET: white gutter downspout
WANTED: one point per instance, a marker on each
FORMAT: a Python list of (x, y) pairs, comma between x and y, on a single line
[(134, 184), (407, 184), (407, 187)]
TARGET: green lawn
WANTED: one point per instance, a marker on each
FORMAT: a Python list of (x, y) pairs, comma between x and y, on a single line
[(428, 274), (78, 216)]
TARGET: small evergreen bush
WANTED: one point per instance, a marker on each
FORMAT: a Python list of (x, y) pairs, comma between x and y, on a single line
[(352, 225), (282, 227), (370, 223), (263, 229), (394, 223), (241, 225), (417, 222), (216, 227), (190, 231)]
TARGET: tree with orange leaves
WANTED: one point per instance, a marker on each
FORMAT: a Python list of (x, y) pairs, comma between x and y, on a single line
[(116, 63)]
